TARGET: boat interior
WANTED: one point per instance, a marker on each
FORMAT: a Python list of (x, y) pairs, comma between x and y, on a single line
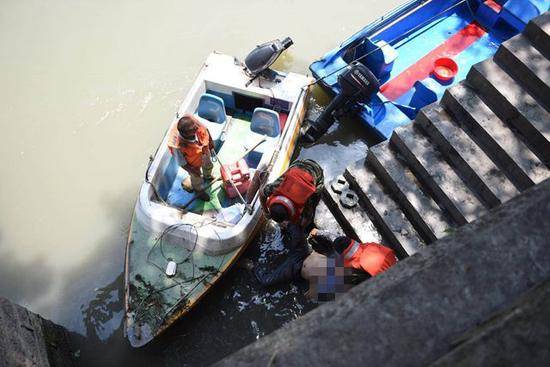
[(403, 52), (237, 121)]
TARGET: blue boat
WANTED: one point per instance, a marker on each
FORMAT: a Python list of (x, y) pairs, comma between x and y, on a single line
[(419, 50)]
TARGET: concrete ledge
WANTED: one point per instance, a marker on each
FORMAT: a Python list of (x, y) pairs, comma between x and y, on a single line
[(522, 328), (414, 313), (26, 339)]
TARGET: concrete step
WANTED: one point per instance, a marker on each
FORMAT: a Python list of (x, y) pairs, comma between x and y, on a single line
[(538, 32), (354, 221), (326, 220), (448, 190), (424, 214), (500, 143), (513, 105), (527, 65), (473, 165), (383, 211)]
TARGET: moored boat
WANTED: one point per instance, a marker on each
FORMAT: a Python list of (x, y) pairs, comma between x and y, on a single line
[(179, 245), (414, 54)]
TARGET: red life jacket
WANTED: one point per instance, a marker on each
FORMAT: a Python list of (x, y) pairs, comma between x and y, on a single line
[(370, 257), (293, 192), (192, 151)]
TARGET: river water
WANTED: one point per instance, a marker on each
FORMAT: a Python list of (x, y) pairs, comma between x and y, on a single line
[(88, 88)]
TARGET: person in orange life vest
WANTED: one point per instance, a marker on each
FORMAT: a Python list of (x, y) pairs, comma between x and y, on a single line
[(190, 144), (294, 196), (369, 257)]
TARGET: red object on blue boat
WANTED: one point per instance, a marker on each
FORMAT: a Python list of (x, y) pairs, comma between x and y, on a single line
[(445, 69)]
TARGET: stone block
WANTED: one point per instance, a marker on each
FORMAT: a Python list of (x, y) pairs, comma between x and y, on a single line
[(538, 32), (383, 211), (513, 105), (473, 164), (435, 173), (527, 66), (500, 143), (355, 222), (425, 215)]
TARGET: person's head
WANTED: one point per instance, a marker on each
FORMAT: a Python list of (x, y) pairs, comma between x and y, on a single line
[(278, 212), (187, 127), (341, 244)]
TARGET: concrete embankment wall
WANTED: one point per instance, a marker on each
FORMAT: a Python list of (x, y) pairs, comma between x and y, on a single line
[(477, 297), (26, 339)]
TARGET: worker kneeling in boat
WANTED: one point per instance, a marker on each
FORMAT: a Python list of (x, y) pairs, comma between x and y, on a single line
[(190, 143), (294, 196)]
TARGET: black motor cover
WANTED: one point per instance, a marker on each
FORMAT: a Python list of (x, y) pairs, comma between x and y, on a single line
[(358, 83), (261, 58)]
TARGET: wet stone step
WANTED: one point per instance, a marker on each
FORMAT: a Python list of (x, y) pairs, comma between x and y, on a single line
[(435, 173), (474, 165), (500, 143), (427, 218), (354, 221), (513, 105), (325, 220), (383, 211), (538, 32), (527, 65)]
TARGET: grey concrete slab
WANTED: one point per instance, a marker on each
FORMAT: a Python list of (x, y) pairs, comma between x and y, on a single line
[(500, 143), (355, 221), (383, 211), (425, 215), (527, 66), (516, 336), (538, 32), (324, 219), (470, 160), (26, 339), (435, 173), (413, 314), (513, 105)]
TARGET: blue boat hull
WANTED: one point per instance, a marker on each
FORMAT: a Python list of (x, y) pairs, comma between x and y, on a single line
[(400, 49)]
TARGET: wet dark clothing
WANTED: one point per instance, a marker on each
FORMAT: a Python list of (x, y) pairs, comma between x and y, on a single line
[(287, 266), (309, 209)]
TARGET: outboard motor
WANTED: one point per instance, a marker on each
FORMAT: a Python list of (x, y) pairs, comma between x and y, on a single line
[(263, 56), (358, 83)]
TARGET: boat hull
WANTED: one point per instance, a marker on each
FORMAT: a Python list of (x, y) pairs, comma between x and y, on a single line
[(202, 246)]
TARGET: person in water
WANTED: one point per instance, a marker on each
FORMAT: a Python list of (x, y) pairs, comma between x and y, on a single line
[(294, 196), (339, 262), (190, 144)]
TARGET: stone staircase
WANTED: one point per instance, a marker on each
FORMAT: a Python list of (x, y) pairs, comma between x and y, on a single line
[(486, 141)]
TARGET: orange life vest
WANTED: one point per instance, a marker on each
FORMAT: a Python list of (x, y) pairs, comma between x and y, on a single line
[(293, 192), (370, 257), (192, 151)]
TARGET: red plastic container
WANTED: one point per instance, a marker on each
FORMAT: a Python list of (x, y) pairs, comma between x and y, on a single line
[(240, 175), (445, 69)]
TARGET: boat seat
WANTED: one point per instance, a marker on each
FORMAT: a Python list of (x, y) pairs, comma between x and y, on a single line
[(211, 112), (265, 122)]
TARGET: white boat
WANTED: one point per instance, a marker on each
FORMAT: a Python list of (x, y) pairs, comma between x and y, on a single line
[(203, 240)]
